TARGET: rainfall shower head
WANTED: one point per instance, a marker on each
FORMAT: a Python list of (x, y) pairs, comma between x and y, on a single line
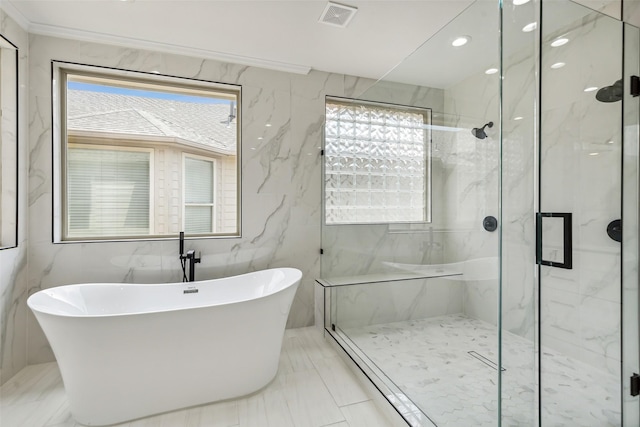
[(479, 132), (611, 93)]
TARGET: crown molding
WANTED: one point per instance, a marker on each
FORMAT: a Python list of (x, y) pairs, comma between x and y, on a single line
[(88, 36), (15, 14)]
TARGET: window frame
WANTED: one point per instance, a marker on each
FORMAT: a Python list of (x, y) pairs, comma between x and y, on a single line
[(428, 141), (60, 70), (214, 181)]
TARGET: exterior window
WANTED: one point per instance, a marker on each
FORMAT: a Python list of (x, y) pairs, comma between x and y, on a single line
[(108, 192), (142, 156), (376, 163), (199, 212)]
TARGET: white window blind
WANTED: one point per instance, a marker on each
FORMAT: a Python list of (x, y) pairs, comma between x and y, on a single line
[(376, 163), (107, 192), (199, 195)]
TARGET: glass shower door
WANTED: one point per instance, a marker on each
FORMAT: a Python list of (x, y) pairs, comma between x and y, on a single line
[(579, 216), (631, 192)]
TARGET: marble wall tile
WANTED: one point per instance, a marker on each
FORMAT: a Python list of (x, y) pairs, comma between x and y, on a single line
[(387, 302), (13, 262), (520, 89), (471, 185), (580, 173), (281, 203), (351, 250)]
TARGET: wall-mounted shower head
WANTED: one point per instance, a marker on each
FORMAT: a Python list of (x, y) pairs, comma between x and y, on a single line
[(479, 132), (611, 93)]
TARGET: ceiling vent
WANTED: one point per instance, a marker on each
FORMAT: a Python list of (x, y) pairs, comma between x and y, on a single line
[(338, 15)]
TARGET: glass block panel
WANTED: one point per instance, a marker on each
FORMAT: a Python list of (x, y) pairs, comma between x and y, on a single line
[(372, 151)]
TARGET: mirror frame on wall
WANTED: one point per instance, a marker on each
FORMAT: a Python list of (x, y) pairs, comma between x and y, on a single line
[(9, 152)]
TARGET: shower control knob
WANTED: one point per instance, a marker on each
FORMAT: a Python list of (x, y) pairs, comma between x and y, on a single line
[(614, 230), (490, 223)]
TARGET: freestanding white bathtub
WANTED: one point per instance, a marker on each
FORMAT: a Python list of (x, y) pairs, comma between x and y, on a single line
[(128, 351)]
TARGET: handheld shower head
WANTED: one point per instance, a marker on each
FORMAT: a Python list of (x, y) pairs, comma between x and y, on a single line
[(479, 132)]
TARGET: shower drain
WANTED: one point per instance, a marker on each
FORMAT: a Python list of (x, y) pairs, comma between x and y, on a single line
[(485, 360)]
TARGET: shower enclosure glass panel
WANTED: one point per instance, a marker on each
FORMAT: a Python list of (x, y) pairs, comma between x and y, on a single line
[(580, 176), (417, 302), (516, 302), (630, 194)]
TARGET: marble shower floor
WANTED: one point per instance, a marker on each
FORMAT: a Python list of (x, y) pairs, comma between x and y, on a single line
[(313, 388), (446, 367)]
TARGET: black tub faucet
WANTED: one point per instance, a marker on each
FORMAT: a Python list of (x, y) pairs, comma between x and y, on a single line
[(189, 257)]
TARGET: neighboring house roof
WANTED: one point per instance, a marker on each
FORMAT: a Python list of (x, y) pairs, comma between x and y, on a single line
[(204, 124)]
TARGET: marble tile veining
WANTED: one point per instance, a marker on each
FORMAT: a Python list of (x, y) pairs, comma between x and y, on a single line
[(447, 367), (313, 387)]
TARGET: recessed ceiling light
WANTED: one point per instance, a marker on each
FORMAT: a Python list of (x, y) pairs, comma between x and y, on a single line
[(517, 118), (461, 41), (260, 138), (155, 71), (268, 125), (519, 2), (609, 142), (593, 154), (559, 42), (590, 89), (530, 27), (558, 65), (491, 71)]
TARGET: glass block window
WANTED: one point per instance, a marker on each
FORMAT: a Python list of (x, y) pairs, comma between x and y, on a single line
[(376, 163)]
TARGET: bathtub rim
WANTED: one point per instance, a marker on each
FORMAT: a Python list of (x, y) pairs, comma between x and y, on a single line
[(295, 273)]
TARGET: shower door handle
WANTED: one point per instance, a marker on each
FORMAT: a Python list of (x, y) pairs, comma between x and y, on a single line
[(566, 243)]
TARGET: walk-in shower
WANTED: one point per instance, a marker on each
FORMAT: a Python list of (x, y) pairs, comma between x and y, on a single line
[(533, 320)]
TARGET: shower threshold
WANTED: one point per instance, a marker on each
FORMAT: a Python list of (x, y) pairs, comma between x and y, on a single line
[(442, 371)]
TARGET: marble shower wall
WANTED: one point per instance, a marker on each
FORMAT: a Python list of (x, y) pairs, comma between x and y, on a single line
[(471, 185), (396, 301), (352, 250), (581, 144), (13, 262), (281, 190)]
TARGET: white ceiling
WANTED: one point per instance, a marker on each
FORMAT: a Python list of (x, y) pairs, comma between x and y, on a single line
[(281, 34)]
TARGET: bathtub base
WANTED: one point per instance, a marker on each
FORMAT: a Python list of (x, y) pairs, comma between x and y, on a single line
[(117, 368)]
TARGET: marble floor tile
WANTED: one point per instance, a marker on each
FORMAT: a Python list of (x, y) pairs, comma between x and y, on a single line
[(306, 392), (340, 381), (363, 414), (446, 366)]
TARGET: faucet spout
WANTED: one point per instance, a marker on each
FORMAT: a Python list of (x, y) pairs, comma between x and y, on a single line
[(193, 260)]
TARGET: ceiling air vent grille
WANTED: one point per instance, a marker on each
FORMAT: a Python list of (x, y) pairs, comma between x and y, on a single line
[(338, 15)]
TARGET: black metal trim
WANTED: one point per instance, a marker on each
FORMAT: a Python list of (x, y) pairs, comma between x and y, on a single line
[(634, 86), (635, 384), (567, 240)]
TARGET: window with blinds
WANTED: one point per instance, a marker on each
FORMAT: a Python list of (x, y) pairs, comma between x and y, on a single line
[(376, 163), (142, 156), (199, 213), (108, 192)]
